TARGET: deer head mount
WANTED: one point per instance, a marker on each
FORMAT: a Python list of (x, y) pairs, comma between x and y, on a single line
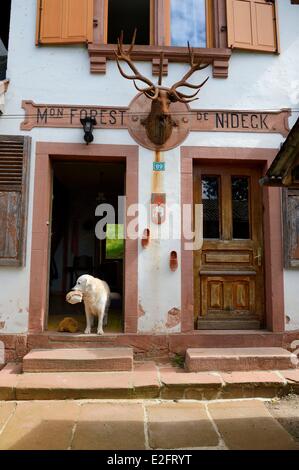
[(159, 123)]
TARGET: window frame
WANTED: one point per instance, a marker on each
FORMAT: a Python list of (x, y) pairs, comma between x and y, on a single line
[(160, 22), (218, 56)]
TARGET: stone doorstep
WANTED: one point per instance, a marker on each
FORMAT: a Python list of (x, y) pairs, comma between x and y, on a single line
[(238, 359), (147, 380), (78, 360)]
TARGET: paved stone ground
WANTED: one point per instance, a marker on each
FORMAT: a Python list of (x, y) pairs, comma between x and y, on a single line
[(150, 424), (286, 411)]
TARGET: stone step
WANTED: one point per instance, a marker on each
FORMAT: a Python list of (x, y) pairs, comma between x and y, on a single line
[(238, 359), (146, 380), (79, 360)]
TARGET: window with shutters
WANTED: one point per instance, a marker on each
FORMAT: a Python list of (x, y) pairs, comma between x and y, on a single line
[(14, 173), (201, 22), (213, 28)]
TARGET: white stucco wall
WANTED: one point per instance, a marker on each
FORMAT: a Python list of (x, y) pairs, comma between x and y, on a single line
[(291, 280), (61, 75)]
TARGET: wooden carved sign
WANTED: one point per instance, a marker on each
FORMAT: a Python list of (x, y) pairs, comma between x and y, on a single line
[(198, 120), (60, 115)]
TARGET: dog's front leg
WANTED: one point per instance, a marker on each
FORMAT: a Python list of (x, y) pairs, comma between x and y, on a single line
[(89, 321), (101, 313)]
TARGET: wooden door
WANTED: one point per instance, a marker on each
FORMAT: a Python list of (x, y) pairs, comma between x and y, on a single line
[(228, 270)]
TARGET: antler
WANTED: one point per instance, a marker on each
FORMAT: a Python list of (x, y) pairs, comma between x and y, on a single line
[(152, 91), (194, 66), (126, 57)]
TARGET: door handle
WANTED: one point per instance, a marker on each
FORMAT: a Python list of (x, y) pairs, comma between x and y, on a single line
[(258, 257)]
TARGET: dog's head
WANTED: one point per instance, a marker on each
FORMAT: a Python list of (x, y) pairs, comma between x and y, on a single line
[(84, 283)]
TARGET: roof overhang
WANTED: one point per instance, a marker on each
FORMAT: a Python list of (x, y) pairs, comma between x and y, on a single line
[(280, 171)]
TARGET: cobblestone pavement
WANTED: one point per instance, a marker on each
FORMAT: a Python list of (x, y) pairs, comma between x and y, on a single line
[(150, 424)]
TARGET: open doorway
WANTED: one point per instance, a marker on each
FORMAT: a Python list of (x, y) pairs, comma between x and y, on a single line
[(78, 188)]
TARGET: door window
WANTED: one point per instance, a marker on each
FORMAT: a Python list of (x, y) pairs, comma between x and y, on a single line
[(226, 207), (240, 207), (211, 206)]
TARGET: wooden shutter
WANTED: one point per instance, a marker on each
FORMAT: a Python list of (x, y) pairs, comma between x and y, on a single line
[(14, 162), (251, 24), (290, 206), (64, 21)]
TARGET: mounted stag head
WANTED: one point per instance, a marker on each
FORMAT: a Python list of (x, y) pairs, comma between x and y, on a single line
[(159, 123)]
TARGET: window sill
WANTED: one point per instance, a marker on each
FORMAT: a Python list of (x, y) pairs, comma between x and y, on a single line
[(218, 58)]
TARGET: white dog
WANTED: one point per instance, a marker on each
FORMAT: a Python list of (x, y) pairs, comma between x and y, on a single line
[(96, 298)]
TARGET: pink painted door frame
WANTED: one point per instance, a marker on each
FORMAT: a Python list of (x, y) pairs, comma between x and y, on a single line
[(274, 292), (39, 272)]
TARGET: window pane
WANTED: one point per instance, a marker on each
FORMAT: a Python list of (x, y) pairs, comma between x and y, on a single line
[(210, 201), (240, 204), (114, 241), (127, 15), (188, 23)]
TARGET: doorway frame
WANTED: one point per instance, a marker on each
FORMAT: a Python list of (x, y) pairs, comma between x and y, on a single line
[(273, 253), (46, 152)]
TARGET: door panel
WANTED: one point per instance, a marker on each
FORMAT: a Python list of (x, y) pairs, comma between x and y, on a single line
[(228, 270), (225, 295)]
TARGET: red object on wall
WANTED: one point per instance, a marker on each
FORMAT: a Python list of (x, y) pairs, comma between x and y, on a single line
[(158, 208), (173, 261), (145, 238)]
